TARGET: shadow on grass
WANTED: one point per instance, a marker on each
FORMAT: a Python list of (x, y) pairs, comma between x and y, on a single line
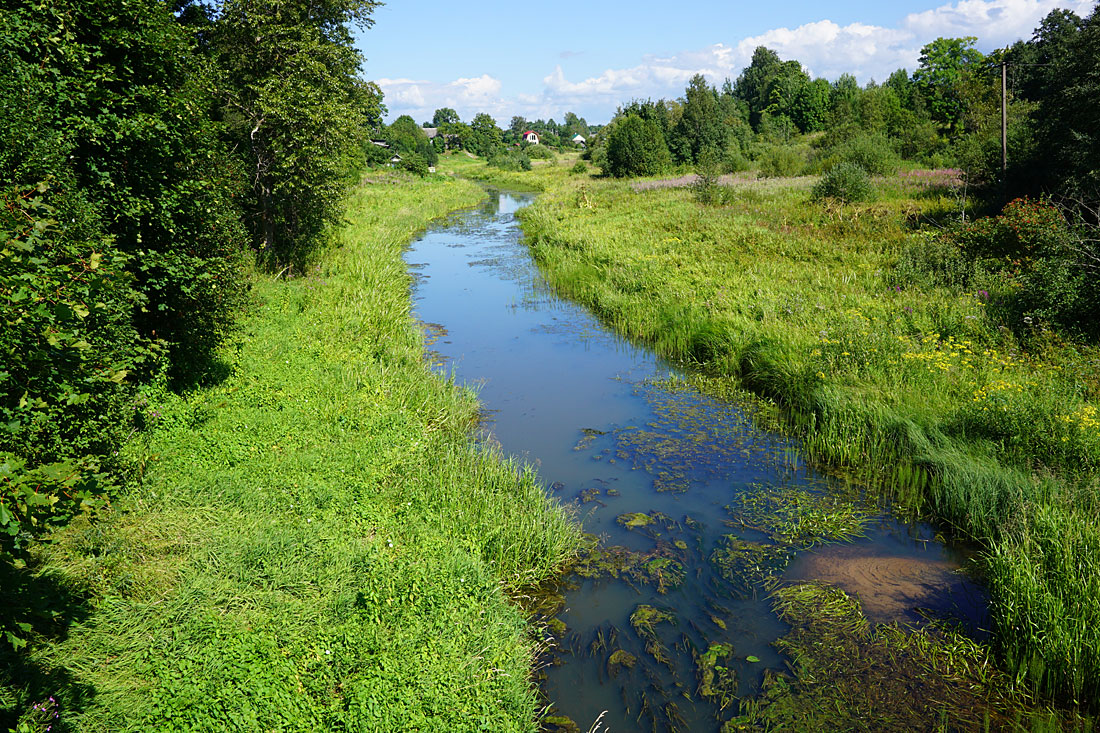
[(51, 609)]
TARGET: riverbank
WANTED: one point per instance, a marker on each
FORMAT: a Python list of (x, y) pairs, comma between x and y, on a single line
[(912, 387), (312, 543)]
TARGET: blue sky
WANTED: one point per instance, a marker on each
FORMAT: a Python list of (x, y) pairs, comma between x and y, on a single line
[(542, 60)]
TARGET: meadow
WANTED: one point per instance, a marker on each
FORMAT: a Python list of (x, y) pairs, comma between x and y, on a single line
[(923, 388), (311, 542)]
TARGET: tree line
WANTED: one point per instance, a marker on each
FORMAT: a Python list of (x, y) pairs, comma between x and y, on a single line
[(145, 149), (947, 112), (481, 136)]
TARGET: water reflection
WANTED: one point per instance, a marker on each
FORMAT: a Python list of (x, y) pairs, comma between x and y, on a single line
[(706, 511)]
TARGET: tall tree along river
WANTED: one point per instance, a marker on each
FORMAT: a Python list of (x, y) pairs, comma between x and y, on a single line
[(698, 512)]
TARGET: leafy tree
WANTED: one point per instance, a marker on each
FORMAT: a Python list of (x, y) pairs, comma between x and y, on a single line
[(754, 84), (700, 126), (945, 64), (485, 137), (445, 116), (295, 112), (809, 107), (1068, 116), (636, 147), (408, 138)]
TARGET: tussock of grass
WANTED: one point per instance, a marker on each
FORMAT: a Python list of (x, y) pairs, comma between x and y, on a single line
[(910, 384), (315, 543)]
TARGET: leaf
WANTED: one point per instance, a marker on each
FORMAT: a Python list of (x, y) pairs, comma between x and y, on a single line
[(94, 260), (752, 659)]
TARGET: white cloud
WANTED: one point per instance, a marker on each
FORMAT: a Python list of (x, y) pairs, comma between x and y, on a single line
[(824, 48)]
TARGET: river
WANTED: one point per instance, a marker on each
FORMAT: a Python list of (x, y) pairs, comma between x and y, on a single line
[(672, 476)]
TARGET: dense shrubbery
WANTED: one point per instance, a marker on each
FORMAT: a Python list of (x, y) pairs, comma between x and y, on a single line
[(124, 213), (1046, 267), (539, 152), (873, 153), (846, 182), (512, 159), (636, 147), (781, 160)]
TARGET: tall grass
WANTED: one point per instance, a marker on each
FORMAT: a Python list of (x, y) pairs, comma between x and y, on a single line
[(908, 382), (314, 543)]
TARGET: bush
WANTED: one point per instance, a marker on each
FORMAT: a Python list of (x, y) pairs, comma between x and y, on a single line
[(781, 161), (1047, 265), (539, 152), (414, 163), (846, 182), (512, 159), (872, 153), (734, 160), (708, 169), (579, 168), (636, 147)]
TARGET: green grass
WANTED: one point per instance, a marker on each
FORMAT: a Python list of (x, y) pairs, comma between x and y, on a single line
[(314, 543), (915, 389)]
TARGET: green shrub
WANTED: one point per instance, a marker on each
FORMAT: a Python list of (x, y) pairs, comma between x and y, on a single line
[(708, 169), (1045, 265), (872, 153), (734, 160), (539, 152), (846, 182), (781, 161), (512, 159), (636, 147), (414, 163), (579, 168)]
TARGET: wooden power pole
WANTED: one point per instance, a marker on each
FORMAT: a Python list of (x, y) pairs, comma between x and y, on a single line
[(1004, 119)]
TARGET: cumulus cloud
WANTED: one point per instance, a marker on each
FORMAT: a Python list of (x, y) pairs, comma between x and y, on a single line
[(825, 48)]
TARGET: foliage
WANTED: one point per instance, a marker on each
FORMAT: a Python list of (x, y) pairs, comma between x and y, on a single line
[(485, 139), (636, 147), (512, 159), (121, 242), (847, 182), (579, 168), (314, 522), (920, 385), (708, 169), (780, 161), (699, 127), (1066, 122), (873, 153), (295, 112), (415, 163), (1046, 266), (539, 152), (945, 65), (407, 138)]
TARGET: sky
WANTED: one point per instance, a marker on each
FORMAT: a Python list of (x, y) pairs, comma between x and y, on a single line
[(541, 60)]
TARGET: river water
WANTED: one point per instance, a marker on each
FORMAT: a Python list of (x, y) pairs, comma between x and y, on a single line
[(620, 433)]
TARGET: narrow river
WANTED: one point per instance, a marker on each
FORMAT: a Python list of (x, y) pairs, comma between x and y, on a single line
[(671, 476)]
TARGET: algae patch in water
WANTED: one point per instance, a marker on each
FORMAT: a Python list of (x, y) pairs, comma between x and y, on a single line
[(663, 567), (747, 566), (620, 660), (717, 682), (692, 438), (847, 674), (796, 517), (644, 620)]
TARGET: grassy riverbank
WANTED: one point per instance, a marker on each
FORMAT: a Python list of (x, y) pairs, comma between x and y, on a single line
[(987, 426), (312, 543)]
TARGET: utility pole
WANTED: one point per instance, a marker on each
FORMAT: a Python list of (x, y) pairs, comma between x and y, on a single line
[(1004, 120)]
